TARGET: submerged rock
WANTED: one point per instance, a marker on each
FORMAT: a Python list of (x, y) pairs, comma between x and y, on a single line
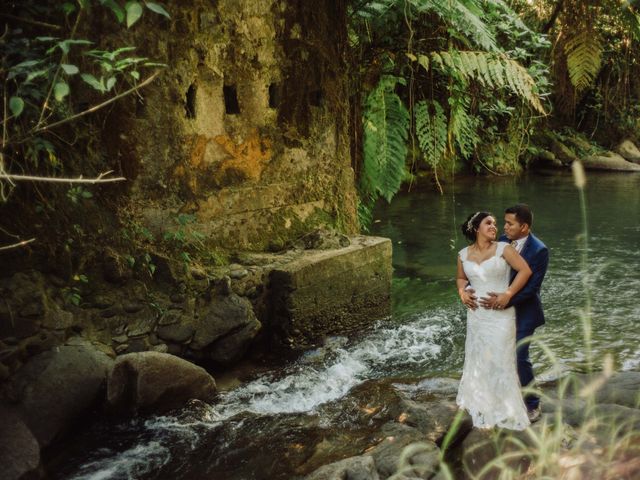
[(156, 382)]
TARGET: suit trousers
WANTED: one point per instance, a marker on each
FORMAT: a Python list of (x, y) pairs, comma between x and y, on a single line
[(525, 369)]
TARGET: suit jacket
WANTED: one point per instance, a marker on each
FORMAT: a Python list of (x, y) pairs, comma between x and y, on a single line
[(529, 314)]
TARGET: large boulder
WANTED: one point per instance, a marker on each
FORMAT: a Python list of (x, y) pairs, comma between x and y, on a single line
[(154, 382), (225, 326), (354, 468), (609, 161), (19, 450), (481, 447), (628, 150), (233, 346), (55, 388)]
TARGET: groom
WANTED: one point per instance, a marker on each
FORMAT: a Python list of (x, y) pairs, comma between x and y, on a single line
[(529, 315)]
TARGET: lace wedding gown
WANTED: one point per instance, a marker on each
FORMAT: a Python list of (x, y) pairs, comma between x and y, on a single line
[(489, 389)]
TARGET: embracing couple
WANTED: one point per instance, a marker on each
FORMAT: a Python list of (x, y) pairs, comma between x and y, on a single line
[(499, 282)]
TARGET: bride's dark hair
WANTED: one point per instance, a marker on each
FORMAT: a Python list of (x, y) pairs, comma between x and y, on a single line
[(470, 227)]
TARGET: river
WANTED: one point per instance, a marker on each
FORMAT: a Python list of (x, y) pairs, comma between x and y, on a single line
[(285, 422)]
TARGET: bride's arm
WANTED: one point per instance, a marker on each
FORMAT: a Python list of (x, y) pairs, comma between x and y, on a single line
[(519, 264), (466, 295)]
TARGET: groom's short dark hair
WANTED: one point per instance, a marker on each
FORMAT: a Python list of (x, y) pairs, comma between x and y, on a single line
[(522, 212)]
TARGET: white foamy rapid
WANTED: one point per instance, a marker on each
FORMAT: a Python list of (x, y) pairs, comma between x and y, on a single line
[(320, 376), (130, 464), (308, 385)]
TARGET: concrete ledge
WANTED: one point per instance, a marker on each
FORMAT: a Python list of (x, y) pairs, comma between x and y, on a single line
[(328, 292)]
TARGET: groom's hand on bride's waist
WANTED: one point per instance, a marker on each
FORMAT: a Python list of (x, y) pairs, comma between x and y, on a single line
[(495, 301), (468, 297)]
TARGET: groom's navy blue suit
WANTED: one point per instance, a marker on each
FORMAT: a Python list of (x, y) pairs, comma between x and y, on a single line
[(529, 314)]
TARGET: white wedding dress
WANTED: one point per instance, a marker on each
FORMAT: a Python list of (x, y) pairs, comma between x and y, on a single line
[(490, 389)]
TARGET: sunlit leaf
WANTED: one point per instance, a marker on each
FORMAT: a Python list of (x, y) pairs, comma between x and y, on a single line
[(28, 63), (423, 60), (135, 75), (154, 7), (134, 12), (36, 74), (16, 105), (69, 69), (60, 90), (110, 83), (93, 81)]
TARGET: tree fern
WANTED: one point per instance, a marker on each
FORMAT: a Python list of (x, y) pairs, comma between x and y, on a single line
[(464, 18), (386, 123), (492, 71), (584, 56)]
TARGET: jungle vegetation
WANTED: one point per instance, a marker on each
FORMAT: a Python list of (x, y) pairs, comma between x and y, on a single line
[(447, 85), (436, 86)]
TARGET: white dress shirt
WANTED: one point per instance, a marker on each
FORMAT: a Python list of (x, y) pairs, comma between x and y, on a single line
[(519, 243)]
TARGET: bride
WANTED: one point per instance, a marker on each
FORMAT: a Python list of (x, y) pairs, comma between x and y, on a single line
[(489, 389)]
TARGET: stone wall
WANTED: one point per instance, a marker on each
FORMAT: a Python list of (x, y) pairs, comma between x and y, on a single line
[(246, 131), (285, 302), (247, 128)]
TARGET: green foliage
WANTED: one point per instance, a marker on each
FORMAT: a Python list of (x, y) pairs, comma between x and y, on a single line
[(72, 294), (491, 71), (464, 19), (584, 57), (40, 71), (431, 130), (464, 63), (386, 124), (77, 194), (462, 125), (184, 238)]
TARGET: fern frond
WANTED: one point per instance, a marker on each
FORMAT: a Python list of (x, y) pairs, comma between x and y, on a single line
[(431, 130), (462, 125), (386, 123), (464, 17), (584, 58), (493, 71)]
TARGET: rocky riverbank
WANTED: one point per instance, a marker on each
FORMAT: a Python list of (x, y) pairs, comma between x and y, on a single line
[(393, 428), (560, 151), (56, 354), (590, 428)]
